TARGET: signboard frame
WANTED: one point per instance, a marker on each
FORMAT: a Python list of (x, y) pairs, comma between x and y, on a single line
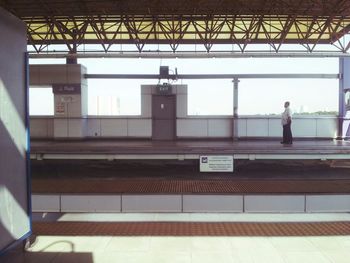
[(216, 163)]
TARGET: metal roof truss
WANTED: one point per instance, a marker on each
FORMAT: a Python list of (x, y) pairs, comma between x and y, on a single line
[(175, 30)]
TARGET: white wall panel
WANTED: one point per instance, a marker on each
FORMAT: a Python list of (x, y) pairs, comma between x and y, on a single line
[(90, 203), (212, 203), (192, 127), (60, 128), (151, 203), (274, 204), (114, 127), (42, 127), (275, 128), (304, 127), (220, 128), (242, 127), (257, 127), (76, 128), (93, 127), (39, 128), (45, 203), (139, 127), (328, 203), (327, 127)]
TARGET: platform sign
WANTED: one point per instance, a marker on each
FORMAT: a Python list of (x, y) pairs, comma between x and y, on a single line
[(216, 163), (66, 88)]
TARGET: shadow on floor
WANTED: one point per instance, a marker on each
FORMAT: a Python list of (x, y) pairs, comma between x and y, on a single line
[(21, 255)]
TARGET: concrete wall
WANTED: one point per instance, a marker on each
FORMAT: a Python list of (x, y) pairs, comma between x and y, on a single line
[(303, 127), (192, 203), (14, 220), (255, 127), (98, 127), (190, 127), (204, 127)]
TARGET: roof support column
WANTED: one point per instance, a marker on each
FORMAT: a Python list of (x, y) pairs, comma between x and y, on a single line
[(235, 108), (72, 58), (344, 98)]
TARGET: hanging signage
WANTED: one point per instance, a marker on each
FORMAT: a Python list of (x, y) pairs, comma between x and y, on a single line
[(66, 88), (164, 89), (216, 163)]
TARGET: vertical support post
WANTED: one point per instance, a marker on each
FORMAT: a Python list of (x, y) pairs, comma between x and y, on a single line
[(27, 127), (235, 108), (344, 86), (72, 56)]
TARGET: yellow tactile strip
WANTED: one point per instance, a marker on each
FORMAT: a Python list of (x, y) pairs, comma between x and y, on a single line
[(190, 229), (110, 186)]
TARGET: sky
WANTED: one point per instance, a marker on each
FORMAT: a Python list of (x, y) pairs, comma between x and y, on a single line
[(208, 97)]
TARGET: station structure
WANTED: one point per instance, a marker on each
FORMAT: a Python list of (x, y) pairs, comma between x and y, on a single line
[(164, 135)]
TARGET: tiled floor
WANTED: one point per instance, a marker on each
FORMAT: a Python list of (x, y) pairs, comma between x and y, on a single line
[(333, 249), (218, 249)]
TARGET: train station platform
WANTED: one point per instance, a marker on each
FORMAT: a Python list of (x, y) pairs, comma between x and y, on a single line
[(260, 186), (188, 149)]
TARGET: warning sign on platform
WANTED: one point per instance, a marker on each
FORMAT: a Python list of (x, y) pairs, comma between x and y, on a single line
[(216, 163), (60, 108)]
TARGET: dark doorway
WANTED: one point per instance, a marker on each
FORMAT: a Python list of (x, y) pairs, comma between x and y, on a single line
[(163, 117)]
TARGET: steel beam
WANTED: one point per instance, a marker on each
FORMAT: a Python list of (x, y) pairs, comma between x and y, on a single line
[(199, 55), (213, 76)]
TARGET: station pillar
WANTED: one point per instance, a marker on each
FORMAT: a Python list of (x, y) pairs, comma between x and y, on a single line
[(344, 99), (69, 87), (235, 82)]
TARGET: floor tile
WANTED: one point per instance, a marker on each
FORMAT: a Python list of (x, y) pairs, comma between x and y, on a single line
[(170, 249), (271, 256), (210, 257), (136, 244), (121, 257), (169, 244), (307, 257), (297, 244), (210, 244), (343, 241), (337, 256), (169, 257), (325, 243), (249, 243)]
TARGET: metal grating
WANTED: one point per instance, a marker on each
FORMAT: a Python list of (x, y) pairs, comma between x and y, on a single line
[(224, 186), (174, 23), (190, 229)]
